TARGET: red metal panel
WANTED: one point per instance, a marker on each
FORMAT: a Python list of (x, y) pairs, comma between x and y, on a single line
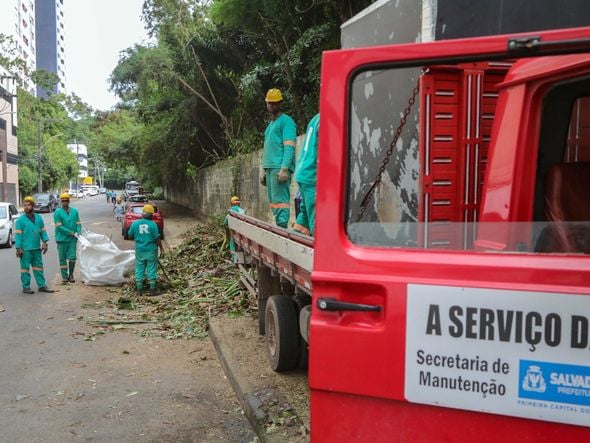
[(458, 108)]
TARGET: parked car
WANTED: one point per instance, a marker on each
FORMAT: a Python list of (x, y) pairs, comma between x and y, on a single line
[(8, 216), (102, 190), (90, 190), (134, 212), (45, 203), (76, 193)]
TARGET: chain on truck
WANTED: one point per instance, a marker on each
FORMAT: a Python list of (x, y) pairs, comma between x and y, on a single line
[(446, 295)]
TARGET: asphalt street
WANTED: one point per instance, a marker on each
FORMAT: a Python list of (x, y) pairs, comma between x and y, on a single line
[(61, 383)]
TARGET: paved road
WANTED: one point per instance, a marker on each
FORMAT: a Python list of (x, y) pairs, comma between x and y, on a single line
[(55, 386)]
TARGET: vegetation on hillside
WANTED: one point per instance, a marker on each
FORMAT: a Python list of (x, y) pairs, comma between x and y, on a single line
[(190, 96), (195, 93)]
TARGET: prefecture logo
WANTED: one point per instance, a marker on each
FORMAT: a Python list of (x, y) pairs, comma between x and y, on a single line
[(533, 380), (554, 382)]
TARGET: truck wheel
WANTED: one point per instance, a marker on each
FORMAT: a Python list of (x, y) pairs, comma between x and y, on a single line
[(282, 333), (266, 285), (301, 301)]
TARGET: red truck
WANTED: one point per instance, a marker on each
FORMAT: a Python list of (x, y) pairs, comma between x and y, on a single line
[(446, 295)]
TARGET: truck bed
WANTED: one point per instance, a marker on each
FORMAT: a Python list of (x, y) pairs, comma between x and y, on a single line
[(285, 252)]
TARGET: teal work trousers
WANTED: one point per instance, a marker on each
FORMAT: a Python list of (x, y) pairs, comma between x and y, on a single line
[(66, 251), (146, 264), (32, 259), (279, 197), (305, 222)]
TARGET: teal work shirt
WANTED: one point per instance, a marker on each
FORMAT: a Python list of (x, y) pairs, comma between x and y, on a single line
[(66, 224), (279, 144), (234, 208), (30, 233), (307, 165), (145, 233)]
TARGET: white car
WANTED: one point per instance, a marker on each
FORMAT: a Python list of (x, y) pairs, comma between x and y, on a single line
[(77, 194), (8, 216)]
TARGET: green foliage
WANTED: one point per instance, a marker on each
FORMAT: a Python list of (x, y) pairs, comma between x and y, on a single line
[(45, 122), (195, 95)]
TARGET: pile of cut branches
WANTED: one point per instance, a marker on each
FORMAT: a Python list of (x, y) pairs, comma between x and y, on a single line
[(198, 281)]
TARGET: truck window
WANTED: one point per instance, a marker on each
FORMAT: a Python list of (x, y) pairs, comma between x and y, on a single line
[(419, 145), (562, 185)]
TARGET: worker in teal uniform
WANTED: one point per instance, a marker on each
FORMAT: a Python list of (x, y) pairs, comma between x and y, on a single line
[(278, 158), (306, 177), (31, 240), (147, 241), (235, 206), (67, 228)]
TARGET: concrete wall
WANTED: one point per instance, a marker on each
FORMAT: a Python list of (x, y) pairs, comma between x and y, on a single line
[(209, 193)]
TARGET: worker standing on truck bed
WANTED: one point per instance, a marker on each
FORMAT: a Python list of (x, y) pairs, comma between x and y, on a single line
[(31, 240), (67, 227), (278, 158), (306, 178), (147, 241)]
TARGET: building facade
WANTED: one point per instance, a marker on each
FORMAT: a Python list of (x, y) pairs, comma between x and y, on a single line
[(50, 31), (81, 152), (18, 21), (8, 141)]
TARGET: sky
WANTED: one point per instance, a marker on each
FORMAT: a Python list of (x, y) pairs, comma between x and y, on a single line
[(95, 32)]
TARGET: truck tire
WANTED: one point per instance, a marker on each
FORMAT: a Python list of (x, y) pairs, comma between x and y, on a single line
[(301, 301), (266, 285), (282, 333)]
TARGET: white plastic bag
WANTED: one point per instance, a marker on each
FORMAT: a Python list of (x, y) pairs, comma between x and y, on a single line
[(102, 263)]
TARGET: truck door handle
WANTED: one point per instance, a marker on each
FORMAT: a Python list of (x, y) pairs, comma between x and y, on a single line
[(331, 304)]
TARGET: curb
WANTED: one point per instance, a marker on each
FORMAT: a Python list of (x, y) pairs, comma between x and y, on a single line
[(244, 391)]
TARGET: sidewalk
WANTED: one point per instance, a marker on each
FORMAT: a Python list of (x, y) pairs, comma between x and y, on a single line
[(277, 405)]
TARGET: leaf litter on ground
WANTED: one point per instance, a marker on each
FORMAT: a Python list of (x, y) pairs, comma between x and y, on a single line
[(198, 281)]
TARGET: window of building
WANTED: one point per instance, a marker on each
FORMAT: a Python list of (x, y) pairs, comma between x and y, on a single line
[(25, 25)]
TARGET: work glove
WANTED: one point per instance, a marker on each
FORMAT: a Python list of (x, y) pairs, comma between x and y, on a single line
[(19, 253), (262, 178), (283, 175), (44, 248)]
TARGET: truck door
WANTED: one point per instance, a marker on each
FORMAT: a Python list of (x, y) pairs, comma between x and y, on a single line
[(451, 282)]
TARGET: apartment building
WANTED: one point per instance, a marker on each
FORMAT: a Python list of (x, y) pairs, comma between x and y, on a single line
[(81, 152), (8, 141), (50, 31), (17, 20)]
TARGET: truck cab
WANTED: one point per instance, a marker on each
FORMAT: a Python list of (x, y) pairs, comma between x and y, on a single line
[(458, 252)]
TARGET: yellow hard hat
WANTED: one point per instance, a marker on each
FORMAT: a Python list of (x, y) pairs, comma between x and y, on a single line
[(64, 196), (149, 209), (274, 95), (235, 199), (29, 199)]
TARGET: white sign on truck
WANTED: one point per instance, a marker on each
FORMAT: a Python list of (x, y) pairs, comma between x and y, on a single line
[(518, 353)]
